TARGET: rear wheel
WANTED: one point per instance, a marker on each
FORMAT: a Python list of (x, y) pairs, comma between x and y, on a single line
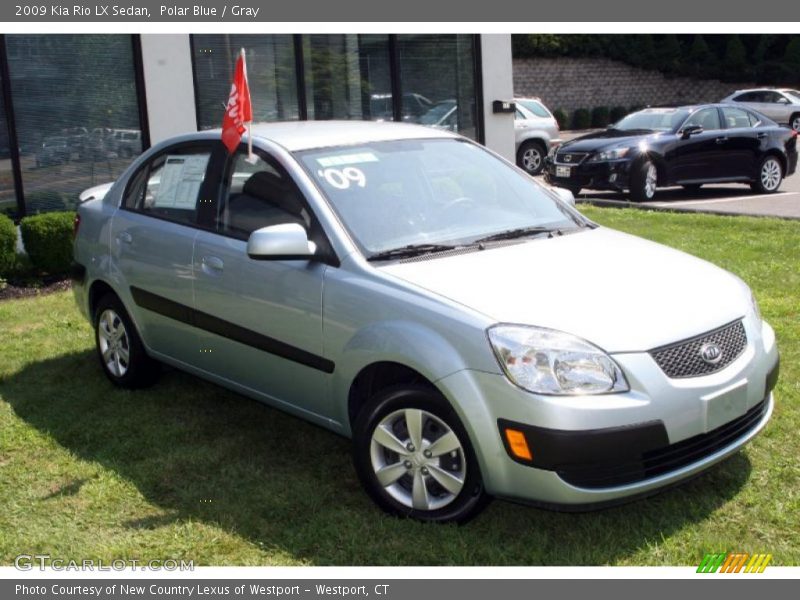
[(770, 175), (531, 157), (119, 347), (414, 457), (644, 180)]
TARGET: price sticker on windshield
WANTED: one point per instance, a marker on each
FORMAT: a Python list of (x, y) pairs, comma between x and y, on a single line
[(342, 179)]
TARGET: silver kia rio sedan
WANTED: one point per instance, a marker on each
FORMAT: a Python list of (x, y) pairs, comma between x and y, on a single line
[(472, 332)]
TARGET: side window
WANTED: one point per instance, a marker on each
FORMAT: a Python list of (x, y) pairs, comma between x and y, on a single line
[(755, 120), (772, 97), (707, 118), (169, 186), (258, 194), (519, 116), (736, 118), (748, 97)]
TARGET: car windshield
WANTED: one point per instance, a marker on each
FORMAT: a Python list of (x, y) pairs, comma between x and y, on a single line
[(653, 119), (794, 94), (437, 113), (430, 191), (536, 108)]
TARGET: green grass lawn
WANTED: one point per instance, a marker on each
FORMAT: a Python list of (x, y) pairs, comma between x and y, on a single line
[(189, 470)]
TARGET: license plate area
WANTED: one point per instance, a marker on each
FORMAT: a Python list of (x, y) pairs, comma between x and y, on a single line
[(563, 171), (725, 405)]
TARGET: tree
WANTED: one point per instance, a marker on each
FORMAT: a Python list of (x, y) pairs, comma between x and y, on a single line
[(701, 60), (735, 64), (791, 55), (669, 54)]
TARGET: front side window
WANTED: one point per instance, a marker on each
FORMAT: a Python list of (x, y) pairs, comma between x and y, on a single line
[(432, 191), (169, 186), (259, 194), (707, 118)]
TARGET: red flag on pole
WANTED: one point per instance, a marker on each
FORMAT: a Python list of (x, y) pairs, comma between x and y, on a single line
[(238, 111)]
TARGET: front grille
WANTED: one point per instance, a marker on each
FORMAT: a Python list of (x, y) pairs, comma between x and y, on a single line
[(683, 359), (662, 460), (575, 158)]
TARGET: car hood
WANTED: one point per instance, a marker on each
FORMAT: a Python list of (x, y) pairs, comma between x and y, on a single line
[(608, 138), (620, 292)]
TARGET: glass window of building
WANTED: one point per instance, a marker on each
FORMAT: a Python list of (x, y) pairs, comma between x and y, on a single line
[(8, 197), (270, 73), (347, 77), (437, 79), (76, 113)]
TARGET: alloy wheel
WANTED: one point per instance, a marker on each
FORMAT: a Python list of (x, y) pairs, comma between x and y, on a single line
[(532, 160), (771, 174), (114, 343), (418, 459), (796, 123), (650, 181)]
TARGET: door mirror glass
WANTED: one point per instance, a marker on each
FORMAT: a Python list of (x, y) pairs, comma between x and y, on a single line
[(783, 100), (691, 130), (565, 195), (287, 241)]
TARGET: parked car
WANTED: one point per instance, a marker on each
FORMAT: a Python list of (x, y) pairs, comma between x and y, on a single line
[(688, 146), (782, 106), (535, 133), (443, 115), (55, 150), (127, 142), (414, 106), (397, 285)]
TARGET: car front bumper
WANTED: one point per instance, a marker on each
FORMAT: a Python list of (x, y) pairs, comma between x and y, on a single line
[(591, 451), (611, 175)]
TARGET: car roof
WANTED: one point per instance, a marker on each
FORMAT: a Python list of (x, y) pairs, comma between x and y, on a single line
[(305, 135)]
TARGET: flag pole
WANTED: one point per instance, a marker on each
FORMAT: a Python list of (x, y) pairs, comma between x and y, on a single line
[(249, 123)]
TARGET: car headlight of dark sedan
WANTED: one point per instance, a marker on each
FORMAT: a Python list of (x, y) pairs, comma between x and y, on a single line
[(613, 154)]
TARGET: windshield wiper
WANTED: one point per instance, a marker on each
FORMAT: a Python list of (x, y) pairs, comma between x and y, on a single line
[(411, 250), (519, 232)]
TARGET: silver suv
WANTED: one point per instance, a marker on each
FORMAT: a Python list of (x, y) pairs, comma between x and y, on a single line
[(400, 285), (535, 133), (780, 105)]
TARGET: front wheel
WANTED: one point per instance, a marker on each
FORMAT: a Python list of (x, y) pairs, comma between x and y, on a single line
[(644, 180), (770, 175), (414, 457), (794, 122)]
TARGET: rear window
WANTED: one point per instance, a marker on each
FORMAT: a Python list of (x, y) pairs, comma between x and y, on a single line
[(536, 108)]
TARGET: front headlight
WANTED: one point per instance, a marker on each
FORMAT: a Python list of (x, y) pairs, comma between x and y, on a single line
[(546, 361), (613, 154)]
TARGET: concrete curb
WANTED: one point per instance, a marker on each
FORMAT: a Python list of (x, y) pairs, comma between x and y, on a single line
[(676, 209)]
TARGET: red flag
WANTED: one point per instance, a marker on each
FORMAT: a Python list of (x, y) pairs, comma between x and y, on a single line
[(238, 111)]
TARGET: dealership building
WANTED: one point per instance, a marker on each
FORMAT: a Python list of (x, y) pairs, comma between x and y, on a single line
[(77, 108)]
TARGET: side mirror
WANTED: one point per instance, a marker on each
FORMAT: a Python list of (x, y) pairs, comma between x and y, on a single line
[(691, 130), (783, 100), (287, 241), (565, 195)]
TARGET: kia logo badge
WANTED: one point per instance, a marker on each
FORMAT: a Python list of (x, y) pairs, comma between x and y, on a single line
[(711, 353)]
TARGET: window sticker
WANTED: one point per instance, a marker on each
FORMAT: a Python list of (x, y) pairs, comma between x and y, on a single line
[(347, 159), (341, 179), (181, 178)]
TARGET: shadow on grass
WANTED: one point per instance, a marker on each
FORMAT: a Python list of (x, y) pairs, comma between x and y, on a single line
[(201, 453)]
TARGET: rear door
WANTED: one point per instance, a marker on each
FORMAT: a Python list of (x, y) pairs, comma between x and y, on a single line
[(260, 321), (152, 241)]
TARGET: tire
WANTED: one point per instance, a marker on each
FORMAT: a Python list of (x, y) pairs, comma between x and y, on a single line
[(692, 187), (768, 176), (119, 347), (530, 157), (794, 121), (411, 476), (644, 180)]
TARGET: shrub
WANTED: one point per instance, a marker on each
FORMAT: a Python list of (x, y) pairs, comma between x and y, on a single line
[(617, 113), (561, 117), (48, 241), (8, 245), (581, 119), (600, 116)]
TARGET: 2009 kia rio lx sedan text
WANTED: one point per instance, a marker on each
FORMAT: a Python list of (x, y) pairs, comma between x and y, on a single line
[(471, 331)]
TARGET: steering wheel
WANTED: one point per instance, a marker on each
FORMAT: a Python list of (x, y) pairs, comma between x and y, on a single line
[(460, 203)]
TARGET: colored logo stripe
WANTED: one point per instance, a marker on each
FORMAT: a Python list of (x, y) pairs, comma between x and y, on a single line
[(734, 562)]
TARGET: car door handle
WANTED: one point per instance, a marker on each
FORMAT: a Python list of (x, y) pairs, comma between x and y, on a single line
[(721, 140), (212, 265), (124, 238)]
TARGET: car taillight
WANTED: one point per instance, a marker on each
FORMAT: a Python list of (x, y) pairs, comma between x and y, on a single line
[(76, 224)]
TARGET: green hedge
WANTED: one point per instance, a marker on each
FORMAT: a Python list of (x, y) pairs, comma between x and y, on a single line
[(8, 245), (617, 113), (581, 119), (600, 116), (48, 241), (561, 117)]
